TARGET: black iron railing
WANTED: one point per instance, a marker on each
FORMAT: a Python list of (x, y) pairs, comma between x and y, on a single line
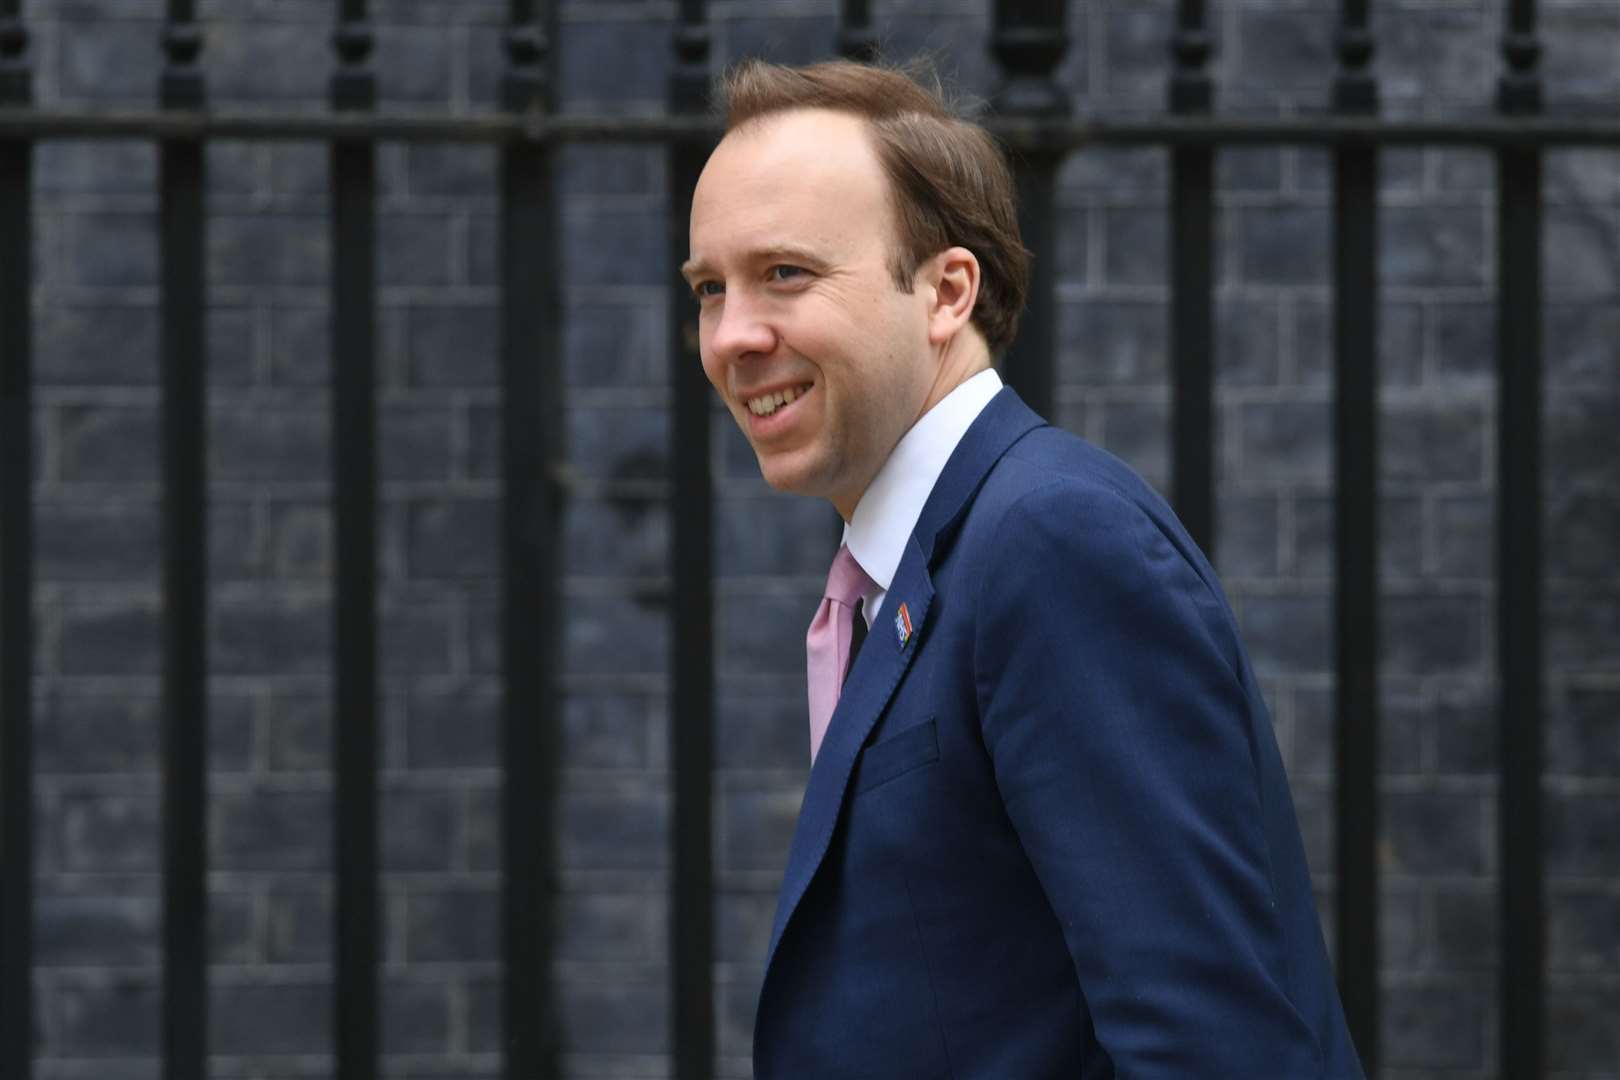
[(1034, 118)]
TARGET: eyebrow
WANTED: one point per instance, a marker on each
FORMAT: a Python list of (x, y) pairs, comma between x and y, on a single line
[(773, 254)]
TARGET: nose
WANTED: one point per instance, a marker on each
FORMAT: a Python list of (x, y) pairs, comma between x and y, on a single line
[(739, 330)]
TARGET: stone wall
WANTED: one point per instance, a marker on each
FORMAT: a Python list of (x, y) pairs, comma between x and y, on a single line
[(99, 605)]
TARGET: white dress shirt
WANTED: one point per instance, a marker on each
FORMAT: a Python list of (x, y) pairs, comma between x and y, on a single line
[(878, 530)]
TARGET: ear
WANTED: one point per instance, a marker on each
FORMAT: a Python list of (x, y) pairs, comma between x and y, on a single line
[(952, 279)]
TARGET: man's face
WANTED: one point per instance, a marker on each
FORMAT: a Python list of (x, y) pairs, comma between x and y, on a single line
[(822, 360)]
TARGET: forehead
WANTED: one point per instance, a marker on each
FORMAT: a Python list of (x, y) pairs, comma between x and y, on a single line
[(807, 178)]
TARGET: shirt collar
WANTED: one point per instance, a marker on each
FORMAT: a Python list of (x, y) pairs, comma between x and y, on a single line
[(888, 511)]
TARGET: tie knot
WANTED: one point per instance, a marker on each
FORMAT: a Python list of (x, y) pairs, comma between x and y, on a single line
[(846, 581)]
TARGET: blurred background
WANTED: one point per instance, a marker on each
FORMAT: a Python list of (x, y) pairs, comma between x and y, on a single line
[(98, 607)]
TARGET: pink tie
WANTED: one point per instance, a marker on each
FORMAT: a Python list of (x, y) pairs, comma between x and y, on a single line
[(826, 646)]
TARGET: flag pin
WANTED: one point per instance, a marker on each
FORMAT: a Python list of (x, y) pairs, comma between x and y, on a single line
[(902, 626)]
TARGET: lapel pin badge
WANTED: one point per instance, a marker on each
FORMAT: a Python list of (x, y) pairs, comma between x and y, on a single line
[(902, 626)]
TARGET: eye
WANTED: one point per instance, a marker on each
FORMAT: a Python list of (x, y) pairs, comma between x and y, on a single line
[(783, 272), (705, 290)]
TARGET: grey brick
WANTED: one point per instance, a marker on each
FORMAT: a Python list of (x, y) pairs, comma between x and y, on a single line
[(1246, 536), (269, 829), (1429, 633), (458, 170), (232, 935), (1285, 443), (1313, 804), (281, 1018), (413, 64), (458, 925), (929, 32), (414, 443), (743, 926), (615, 344), (1464, 340), (1581, 43), (608, 731), (116, 1018), (100, 345), (116, 541), (616, 634), (754, 730), (789, 39), (109, 444), (453, 346), (1117, 172), (1138, 41), (1461, 544), (481, 824), (1434, 1025), (1582, 441), (1285, 245), (267, 61), (300, 346), (604, 245), (1279, 52), (623, 537), (623, 1016), (1136, 247), (1112, 343), (617, 830), (775, 534), (1400, 927), (269, 248), (1582, 627), (300, 169), (299, 925), (1433, 246), (450, 729), (1434, 55), (612, 928), (234, 169), (415, 639), (96, 931), (413, 249), (483, 249), (1583, 928), (1400, 537), (1583, 535), (1582, 343), (1139, 432), (74, 167), (416, 828), (764, 634), (1247, 350), (416, 1015), (1582, 732), (1465, 730), (1579, 830), (109, 832), (111, 639), (1288, 633), (454, 538), (1466, 925), (1583, 1016), (272, 635), (1248, 169), (610, 64), (1582, 245), (109, 59), (231, 345), (299, 732), (1425, 442), (299, 539), (757, 826), (1401, 348)]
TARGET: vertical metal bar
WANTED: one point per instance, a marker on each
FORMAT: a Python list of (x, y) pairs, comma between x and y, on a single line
[(354, 506), (532, 499), (1355, 417), (185, 568), (1029, 41), (1518, 557), (1192, 286), (16, 568), (856, 38), (691, 731)]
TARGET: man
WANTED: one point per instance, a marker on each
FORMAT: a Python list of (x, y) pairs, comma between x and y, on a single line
[(1046, 831)]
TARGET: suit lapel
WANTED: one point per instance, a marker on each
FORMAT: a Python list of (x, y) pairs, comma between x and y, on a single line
[(884, 657)]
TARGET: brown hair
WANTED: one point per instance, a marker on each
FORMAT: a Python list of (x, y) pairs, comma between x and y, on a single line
[(949, 178)]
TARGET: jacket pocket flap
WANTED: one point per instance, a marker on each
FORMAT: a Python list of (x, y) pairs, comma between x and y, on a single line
[(883, 761)]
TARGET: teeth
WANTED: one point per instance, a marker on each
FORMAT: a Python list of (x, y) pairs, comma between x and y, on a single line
[(769, 403)]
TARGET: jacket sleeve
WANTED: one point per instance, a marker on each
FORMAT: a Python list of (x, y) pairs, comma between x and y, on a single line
[(1109, 681)]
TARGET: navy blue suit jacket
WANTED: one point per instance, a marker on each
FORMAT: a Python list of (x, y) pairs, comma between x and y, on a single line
[(1048, 833)]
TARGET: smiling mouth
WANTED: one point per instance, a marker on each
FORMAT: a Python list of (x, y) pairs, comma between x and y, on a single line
[(767, 404)]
